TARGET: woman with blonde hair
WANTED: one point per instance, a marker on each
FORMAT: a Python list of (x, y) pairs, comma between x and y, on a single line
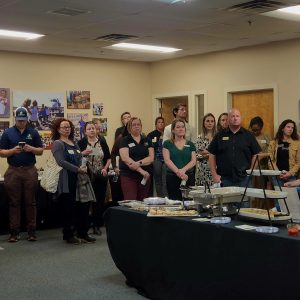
[(180, 159), (137, 155)]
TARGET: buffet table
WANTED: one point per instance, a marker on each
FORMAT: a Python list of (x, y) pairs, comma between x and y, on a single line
[(178, 258)]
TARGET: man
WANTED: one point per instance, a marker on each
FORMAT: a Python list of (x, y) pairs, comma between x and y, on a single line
[(20, 144), (159, 170), (125, 117), (232, 152), (180, 113)]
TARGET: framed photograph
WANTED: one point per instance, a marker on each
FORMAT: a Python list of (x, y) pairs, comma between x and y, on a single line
[(78, 99), (102, 122), (97, 109), (43, 107), (46, 139), (4, 102), (3, 125), (79, 121)]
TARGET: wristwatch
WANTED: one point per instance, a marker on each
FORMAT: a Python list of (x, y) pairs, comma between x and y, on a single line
[(141, 162)]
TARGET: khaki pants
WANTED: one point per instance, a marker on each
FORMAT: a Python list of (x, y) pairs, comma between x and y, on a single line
[(21, 184)]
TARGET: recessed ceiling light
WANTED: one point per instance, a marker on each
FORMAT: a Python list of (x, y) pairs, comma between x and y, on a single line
[(145, 47), (19, 34), (291, 10)]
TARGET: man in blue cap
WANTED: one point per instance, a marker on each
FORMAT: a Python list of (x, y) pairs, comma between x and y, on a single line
[(20, 144)]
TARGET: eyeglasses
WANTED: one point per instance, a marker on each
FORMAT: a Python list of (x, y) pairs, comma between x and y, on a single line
[(65, 127)]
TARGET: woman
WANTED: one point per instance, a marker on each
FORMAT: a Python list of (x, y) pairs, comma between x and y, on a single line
[(222, 121), (203, 174), (34, 117), (67, 155), (256, 127), (180, 159), (285, 151), (96, 150), (137, 155)]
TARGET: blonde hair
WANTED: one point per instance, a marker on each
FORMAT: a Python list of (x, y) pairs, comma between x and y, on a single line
[(129, 124)]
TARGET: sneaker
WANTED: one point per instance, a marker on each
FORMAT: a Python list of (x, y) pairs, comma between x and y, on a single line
[(97, 231), (73, 240), (88, 239), (31, 237), (13, 238)]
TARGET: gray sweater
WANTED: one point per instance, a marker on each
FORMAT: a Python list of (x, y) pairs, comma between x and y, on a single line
[(58, 151)]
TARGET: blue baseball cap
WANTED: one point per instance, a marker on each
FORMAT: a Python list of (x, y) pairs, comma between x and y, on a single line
[(21, 114)]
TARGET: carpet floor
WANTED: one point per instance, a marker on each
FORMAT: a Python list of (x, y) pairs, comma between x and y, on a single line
[(52, 269)]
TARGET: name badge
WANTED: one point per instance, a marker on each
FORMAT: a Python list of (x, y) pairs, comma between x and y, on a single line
[(131, 145), (225, 138), (71, 151), (154, 139), (78, 151), (263, 141), (187, 145)]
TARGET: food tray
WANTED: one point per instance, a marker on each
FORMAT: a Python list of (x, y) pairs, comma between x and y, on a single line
[(264, 172), (267, 229), (259, 193), (172, 213), (231, 194), (262, 214), (154, 201)]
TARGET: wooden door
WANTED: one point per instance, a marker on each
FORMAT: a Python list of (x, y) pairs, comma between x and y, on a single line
[(167, 105), (256, 103)]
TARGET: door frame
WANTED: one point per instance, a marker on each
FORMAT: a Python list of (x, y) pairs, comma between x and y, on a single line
[(192, 104), (228, 97)]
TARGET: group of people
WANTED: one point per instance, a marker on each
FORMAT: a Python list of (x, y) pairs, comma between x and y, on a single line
[(170, 155)]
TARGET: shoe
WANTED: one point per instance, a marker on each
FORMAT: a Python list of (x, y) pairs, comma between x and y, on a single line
[(73, 240), (96, 230), (13, 238), (31, 237), (88, 239)]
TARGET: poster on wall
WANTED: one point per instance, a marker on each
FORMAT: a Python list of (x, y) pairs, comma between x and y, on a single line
[(97, 109), (4, 102), (78, 99), (3, 125), (43, 107), (78, 120), (102, 122), (46, 139)]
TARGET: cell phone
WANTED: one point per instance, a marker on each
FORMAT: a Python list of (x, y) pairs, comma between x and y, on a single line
[(21, 144)]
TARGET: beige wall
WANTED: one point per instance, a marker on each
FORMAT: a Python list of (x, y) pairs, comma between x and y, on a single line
[(273, 65), (121, 86)]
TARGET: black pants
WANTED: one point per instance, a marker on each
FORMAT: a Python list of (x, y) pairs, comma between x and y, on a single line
[(173, 184)]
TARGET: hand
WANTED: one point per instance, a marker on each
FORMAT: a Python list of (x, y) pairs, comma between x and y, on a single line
[(28, 148), (117, 171), (180, 173), (285, 176), (104, 172), (205, 154), (146, 175), (87, 152), (216, 178), (17, 150), (82, 170)]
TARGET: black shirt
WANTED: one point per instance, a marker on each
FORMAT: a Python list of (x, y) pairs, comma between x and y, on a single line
[(156, 137), (136, 152), (282, 160), (233, 152)]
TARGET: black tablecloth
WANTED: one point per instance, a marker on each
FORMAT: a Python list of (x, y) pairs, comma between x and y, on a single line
[(178, 258)]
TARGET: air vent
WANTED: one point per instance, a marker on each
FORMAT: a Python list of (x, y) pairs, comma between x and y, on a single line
[(67, 11), (115, 37), (259, 6)]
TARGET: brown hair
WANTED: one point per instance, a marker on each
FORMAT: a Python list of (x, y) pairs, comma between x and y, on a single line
[(204, 130), (55, 127), (219, 127), (279, 134)]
